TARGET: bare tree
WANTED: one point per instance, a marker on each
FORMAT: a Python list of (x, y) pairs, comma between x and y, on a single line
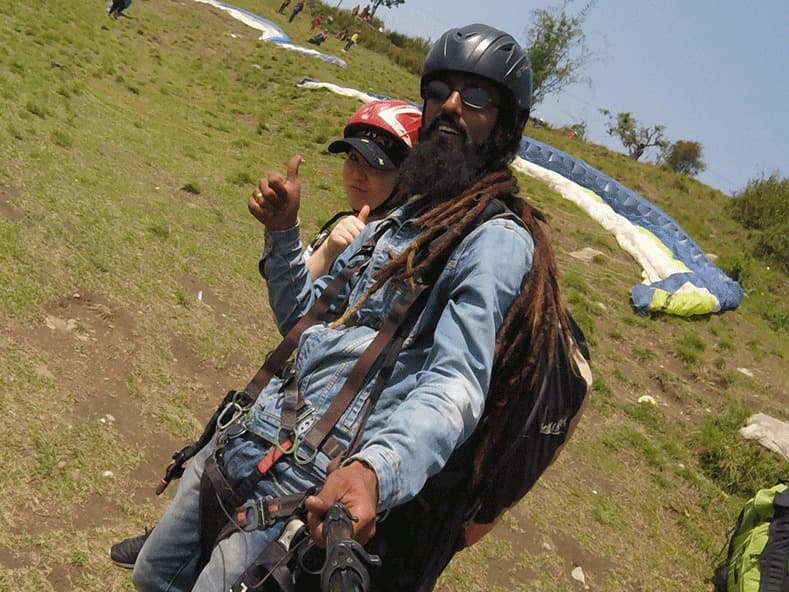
[(635, 138), (387, 3)]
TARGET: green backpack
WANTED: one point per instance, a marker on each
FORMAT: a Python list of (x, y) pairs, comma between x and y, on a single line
[(758, 559)]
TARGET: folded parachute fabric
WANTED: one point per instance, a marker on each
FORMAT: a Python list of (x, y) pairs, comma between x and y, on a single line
[(679, 279)]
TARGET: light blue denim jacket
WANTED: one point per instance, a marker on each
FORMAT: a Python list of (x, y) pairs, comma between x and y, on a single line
[(436, 393)]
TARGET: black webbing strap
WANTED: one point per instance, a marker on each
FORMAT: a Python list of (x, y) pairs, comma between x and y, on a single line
[(387, 366), (279, 357), (316, 435)]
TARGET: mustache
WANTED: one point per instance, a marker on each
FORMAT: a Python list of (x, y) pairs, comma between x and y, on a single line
[(443, 119)]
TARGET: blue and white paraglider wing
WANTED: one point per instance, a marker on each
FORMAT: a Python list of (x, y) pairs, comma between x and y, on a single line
[(679, 279), (269, 31)]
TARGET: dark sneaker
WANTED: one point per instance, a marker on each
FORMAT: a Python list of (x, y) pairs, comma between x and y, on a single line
[(125, 553)]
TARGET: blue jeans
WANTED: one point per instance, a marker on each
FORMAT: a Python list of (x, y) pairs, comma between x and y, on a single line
[(168, 559)]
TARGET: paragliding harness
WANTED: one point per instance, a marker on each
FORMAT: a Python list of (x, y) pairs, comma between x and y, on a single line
[(417, 539)]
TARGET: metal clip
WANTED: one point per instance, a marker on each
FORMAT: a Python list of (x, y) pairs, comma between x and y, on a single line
[(306, 420), (234, 410), (239, 403)]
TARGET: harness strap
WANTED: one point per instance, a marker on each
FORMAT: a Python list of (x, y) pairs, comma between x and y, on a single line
[(245, 488), (261, 513), (277, 359), (318, 433), (292, 403), (387, 367), (227, 506), (274, 364)]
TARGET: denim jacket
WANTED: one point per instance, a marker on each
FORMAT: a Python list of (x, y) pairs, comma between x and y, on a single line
[(436, 394)]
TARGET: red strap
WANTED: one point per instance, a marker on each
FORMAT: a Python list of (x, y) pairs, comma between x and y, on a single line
[(273, 455)]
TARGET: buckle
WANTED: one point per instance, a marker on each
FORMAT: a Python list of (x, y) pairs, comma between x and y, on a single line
[(254, 515)]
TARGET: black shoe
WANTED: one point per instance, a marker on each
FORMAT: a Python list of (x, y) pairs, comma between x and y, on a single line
[(125, 553)]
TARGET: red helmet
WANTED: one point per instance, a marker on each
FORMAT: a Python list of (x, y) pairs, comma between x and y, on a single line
[(382, 131), (397, 118)]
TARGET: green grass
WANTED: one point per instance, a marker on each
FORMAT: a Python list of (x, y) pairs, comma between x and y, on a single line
[(128, 150)]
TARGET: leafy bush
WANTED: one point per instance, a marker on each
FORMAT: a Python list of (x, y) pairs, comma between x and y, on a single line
[(737, 266), (684, 156), (191, 188), (764, 207)]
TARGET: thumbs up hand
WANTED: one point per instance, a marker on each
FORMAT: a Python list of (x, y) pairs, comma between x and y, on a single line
[(275, 201), (345, 231)]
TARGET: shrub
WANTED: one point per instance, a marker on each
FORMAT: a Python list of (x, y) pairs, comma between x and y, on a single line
[(191, 188), (764, 207), (737, 266), (689, 349), (684, 156)]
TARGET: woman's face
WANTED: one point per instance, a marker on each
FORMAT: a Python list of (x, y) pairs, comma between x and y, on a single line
[(364, 185)]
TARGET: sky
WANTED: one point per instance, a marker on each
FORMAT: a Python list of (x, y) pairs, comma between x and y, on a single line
[(710, 71)]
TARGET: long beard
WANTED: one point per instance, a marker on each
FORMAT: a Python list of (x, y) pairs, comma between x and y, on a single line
[(438, 168)]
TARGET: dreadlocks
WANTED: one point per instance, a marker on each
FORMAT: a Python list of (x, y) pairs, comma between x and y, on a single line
[(529, 327)]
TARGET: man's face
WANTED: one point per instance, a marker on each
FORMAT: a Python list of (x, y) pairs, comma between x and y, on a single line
[(460, 108)]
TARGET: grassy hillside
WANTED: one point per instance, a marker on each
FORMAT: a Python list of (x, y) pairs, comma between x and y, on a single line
[(130, 302)]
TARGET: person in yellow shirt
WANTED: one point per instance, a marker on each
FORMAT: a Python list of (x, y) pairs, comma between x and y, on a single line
[(353, 40)]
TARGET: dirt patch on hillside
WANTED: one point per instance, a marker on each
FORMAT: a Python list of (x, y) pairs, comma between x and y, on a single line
[(8, 210), (197, 289), (87, 345)]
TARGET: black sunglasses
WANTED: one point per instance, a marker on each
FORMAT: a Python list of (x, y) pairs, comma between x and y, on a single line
[(472, 96)]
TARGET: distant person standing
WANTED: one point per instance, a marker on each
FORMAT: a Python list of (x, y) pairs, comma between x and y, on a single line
[(354, 39), (355, 10), (283, 6), (296, 10), (316, 22), (118, 6)]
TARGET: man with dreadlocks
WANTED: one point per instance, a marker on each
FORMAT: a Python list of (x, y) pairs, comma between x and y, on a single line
[(488, 305)]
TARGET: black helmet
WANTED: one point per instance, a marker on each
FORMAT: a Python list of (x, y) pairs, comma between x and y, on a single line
[(484, 51)]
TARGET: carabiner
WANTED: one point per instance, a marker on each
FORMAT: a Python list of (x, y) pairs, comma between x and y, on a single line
[(297, 445), (235, 410), (286, 451)]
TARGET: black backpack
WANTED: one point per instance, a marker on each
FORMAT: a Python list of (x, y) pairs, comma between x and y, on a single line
[(417, 540)]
